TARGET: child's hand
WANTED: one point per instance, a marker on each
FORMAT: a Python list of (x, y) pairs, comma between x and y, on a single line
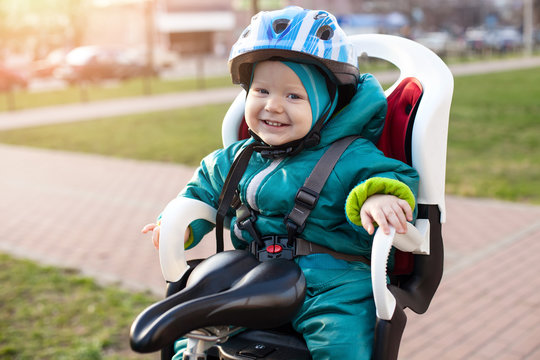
[(155, 233), (385, 210)]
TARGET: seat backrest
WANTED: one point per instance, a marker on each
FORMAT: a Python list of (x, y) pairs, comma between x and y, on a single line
[(431, 79), (430, 131)]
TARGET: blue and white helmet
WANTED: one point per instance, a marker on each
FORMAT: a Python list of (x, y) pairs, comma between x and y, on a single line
[(293, 33)]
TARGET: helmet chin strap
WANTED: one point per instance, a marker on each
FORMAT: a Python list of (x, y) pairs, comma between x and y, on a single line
[(277, 151)]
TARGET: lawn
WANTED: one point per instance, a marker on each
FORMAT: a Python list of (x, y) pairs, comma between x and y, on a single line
[(93, 92), (49, 313), (494, 136), (181, 136), (493, 147)]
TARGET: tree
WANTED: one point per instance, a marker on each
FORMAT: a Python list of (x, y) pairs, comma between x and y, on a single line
[(41, 26)]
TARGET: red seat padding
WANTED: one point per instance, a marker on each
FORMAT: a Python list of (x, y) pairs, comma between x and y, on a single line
[(243, 132), (395, 142)]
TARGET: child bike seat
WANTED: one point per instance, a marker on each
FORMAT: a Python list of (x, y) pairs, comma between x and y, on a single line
[(422, 97)]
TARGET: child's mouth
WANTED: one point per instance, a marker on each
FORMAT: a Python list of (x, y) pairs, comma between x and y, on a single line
[(273, 123)]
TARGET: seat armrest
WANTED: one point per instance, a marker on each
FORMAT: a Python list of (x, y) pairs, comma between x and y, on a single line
[(176, 217), (416, 240)]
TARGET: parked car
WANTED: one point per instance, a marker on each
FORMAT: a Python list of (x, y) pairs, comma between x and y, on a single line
[(11, 79), (45, 67), (95, 63), (163, 59), (500, 39), (475, 39), (438, 42), (504, 39)]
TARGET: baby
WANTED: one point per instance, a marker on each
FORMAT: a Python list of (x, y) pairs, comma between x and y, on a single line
[(304, 92)]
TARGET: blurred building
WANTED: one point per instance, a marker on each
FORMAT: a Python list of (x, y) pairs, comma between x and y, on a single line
[(336, 7), (187, 27), (114, 23), (195, 26), (31, 30)]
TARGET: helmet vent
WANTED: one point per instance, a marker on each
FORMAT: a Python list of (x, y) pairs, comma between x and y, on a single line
[(325, 32), (246, 33), (279, 25), (321, 15)]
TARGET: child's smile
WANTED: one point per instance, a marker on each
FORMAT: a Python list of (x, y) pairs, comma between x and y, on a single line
[(272, 123), (277, 105)]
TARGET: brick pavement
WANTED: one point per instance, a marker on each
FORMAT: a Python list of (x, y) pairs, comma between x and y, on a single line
[(86, 211)]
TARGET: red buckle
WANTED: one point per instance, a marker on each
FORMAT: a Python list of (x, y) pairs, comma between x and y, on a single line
[(274, 249)]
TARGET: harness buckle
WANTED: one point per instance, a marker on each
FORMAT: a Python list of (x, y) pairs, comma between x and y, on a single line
[(273, 247), (307, 197), (304, 201), (245, 220), (244, 216)]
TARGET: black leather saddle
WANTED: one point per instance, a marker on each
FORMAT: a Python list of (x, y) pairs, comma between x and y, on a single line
[(228, 288)]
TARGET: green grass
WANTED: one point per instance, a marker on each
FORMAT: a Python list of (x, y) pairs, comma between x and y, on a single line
[(493, 147), (135, 87), (494, 136), (50, 313), (180, 136)]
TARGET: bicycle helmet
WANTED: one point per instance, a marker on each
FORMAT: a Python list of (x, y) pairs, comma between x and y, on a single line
[(310, 36), (298, 35)]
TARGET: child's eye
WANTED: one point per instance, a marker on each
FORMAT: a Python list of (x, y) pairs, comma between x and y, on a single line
[(294, 96), (261, 91)]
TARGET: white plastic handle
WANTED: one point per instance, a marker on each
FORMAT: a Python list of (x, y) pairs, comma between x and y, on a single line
[(416, 240), (175, 219), (385, 303)]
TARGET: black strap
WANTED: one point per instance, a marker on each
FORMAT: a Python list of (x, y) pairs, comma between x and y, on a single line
[(304, 247), (245, 220), (228, 191), (308, 195)]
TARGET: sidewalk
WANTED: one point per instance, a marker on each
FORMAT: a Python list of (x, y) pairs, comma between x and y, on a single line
[(115, 107), (86, 211)]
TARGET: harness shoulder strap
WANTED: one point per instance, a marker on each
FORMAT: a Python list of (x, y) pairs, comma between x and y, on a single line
[(228, 191), (308, 195)]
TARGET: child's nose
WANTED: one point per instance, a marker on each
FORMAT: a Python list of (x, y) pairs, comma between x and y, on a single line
[(273, 104)]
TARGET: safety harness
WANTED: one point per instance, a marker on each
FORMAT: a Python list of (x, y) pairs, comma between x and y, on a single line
[(281, 246)]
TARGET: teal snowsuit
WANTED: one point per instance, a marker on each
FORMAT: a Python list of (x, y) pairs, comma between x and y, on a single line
[(338, 315)]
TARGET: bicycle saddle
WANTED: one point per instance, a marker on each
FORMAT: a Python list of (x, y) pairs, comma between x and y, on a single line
[(228, 288)]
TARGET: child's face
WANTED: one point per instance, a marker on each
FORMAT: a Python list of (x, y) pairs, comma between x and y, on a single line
[(277, 105)]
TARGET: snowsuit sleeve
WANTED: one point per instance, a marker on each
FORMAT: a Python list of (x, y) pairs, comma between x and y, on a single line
[(206, 185), (389, 176)]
